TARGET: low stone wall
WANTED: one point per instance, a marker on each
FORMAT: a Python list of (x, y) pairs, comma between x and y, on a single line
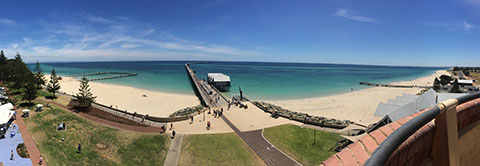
[(417, 149)]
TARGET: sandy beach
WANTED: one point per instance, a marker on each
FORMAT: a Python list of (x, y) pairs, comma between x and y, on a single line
[(160, 104), (358, 106)]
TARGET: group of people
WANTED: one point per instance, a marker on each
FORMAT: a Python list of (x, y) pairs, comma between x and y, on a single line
[(61, 126), (216, 113)]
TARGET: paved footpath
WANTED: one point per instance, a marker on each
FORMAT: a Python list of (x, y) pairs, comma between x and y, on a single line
[(28, 140), (269, 153), (174, 152)]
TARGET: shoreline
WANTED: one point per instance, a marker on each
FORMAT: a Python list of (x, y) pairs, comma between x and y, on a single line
[(132, 99), (162, 104), (358, 105)]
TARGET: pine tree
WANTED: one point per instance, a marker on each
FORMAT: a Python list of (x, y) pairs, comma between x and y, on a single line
[(38, 73), (30, 92), (84, 97), (54, 85), (18, 57), (455, 87), (3, 58), (436, 84)]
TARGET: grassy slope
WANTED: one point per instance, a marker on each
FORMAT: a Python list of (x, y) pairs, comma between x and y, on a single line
[(123, 148), (298, 143), (217, 149)]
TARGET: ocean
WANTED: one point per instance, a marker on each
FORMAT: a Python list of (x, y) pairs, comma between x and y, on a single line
[(258, 80)]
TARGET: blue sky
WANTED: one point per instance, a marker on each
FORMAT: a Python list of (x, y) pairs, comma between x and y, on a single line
[(397, 32)]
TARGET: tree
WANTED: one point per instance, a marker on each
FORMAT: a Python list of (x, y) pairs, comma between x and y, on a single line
[(18, 57), (444, 79), (54, 84), (455, 87), (436, 84), (38, 74), (3, 58), (30, 92), (84, 98)]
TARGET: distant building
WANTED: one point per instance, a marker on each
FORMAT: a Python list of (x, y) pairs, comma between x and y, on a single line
[(465, 82), (220, 81)]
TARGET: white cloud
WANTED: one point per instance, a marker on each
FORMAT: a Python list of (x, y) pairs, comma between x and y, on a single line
[(345, 13), (130, 45), (475, 3), (467, 26), (6, 21), (79, 41), (99, 19), (14, 45), (453, 26)]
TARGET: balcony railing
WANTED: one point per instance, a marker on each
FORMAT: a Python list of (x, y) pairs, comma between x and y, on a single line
[(446, 139)]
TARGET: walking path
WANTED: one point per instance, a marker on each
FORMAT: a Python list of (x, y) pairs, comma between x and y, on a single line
[(28, 140), (269, 153), (174, 152), (106, 122)]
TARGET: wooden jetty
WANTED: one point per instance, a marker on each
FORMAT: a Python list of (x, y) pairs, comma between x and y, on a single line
[(120, 75), (391, 85), (208, 95)]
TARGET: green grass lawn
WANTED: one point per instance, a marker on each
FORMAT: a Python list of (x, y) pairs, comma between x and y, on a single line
[(217, 149), (122, 147), (298, 143)]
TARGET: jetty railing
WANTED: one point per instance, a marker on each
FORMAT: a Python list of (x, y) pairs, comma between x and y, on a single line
[(445, 115), (119, 75)]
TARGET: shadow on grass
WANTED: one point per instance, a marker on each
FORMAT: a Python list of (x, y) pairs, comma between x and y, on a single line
[(50, 97), (26, 104)]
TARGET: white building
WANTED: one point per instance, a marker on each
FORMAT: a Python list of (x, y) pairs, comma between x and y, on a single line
[(219, 80)]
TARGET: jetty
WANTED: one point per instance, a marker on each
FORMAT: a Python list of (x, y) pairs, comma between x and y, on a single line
[(208, 95), (392, 85), (117, 75)]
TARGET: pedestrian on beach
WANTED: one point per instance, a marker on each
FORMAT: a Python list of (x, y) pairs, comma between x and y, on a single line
[(171, 126), (221, 112), (79, 148), (11, 158), (191, 119), (173, 134), (40, 161), (214, 113), (208, 125)]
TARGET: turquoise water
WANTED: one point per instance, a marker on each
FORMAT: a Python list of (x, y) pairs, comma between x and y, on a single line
[(265, 81)]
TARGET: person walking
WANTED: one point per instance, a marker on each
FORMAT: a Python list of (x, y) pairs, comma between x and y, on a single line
[(173, 134), (208, 125), (171, 126), (191, 119), (11, 158), (79, 148), (40, 161)]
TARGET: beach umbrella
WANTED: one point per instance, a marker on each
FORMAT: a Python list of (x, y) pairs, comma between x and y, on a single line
[(25, 110), (39, 105)]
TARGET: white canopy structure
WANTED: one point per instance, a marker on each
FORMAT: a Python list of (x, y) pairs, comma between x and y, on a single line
[(39, 105), (8, 106), (6, 113), (26, 110), (5, 116)]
